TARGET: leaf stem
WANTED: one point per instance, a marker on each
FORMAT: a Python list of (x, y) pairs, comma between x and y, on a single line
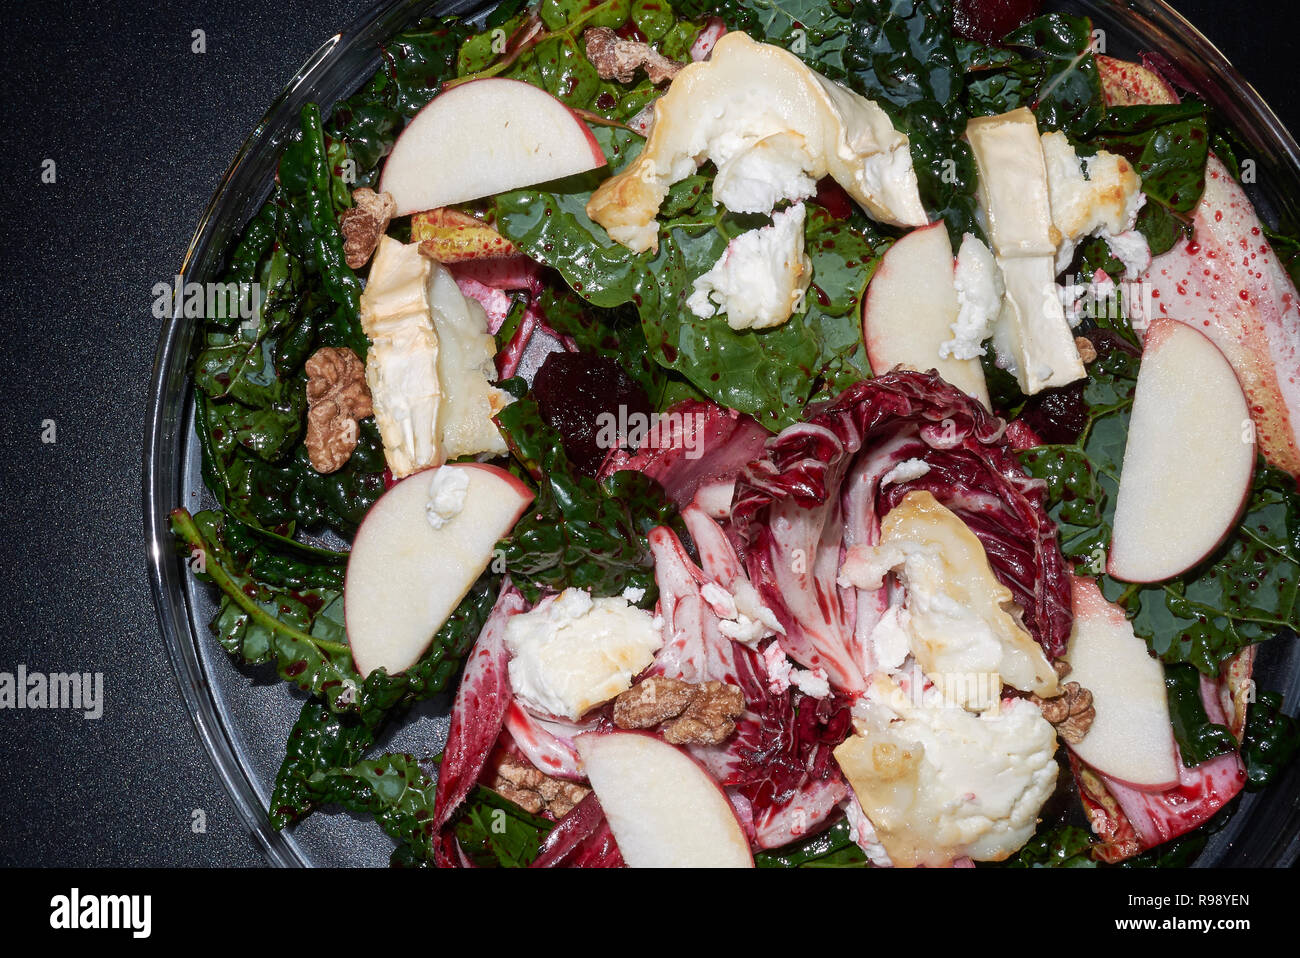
[(183, 525)]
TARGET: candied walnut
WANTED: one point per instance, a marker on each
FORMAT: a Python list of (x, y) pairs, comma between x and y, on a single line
[(1071, 712), (364, 223), (1087, 351), (616, 59), (710, 717), (652, 701), (337, 397), (534, 791)]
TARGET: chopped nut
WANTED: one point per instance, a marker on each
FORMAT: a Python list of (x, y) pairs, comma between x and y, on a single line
[(1062, 668), (652, 701), (364, 223), (616, 59), (1087, 351), (337, 397), (534, 791), (710, 717), (1071, 712)]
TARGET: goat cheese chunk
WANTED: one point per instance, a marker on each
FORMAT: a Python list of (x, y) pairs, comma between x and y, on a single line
[(430, 365), (447, 494), (979, 286), (1096, 195), (466, 369), (956, 613), (1031, 336), (940, 783), (772, 126), (572, 652), (402, 363), (760, 279)]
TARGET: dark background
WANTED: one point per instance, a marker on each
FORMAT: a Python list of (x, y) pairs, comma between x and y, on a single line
[(141, 130)]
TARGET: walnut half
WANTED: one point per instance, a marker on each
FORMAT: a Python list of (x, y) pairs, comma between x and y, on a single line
[(534, 791), (337, 397), (1071, 712), (364, 223), (703, 714)]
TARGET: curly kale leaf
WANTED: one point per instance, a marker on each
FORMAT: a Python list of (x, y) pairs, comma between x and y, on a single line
[(580, 532), (1271, 742), (396, 790), (323, 738), (830, 848), (1198, 738)]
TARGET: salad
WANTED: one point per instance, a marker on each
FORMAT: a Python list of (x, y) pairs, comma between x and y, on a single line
[(802, 434)]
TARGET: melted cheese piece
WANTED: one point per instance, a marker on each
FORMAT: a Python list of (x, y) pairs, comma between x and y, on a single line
[(940, 783), (402, 364), (955, 614), (773, 127), (466, 370), (1032, 337), (430, 366), (1098, 195)]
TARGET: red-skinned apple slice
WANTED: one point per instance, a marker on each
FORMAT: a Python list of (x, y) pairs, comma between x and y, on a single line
[(405, 577), (1227, 282), (484, 137), (910, 307), (1188, 460), (1131, 739), (1124, 83), (665, 810)]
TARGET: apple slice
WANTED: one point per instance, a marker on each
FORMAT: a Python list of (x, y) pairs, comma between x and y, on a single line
[(1131, 84), (405, 577), (1188, 460), (1228, 283), (484, 137), (910, 307), (664, 808), (1131, 739)]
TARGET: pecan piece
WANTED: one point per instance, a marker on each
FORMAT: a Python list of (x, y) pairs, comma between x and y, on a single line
[(534, 791), (710, 717), (1071, 712), (652, 701), (364, 223), (337, 396), (616, 59), (1087, 351)]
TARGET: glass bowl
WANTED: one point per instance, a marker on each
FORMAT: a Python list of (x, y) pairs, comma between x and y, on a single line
[(243, 715)]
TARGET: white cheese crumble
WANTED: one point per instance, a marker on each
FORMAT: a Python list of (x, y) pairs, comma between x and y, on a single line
[(1097, 195), (761, 278), (573, 653), (741, 614), (781, 675), (905, 471), (1131, 249), (633, 595), (753, 177), (979, 286), (447, 493)]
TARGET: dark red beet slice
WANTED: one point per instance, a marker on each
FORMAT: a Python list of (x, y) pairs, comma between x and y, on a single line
[(991, 20), (578, 394)]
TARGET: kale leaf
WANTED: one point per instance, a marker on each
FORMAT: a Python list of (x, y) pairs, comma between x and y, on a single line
[(1064, 846), (1271, 742)]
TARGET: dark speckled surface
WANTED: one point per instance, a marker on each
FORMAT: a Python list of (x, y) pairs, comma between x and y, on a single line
[(141, 129)]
